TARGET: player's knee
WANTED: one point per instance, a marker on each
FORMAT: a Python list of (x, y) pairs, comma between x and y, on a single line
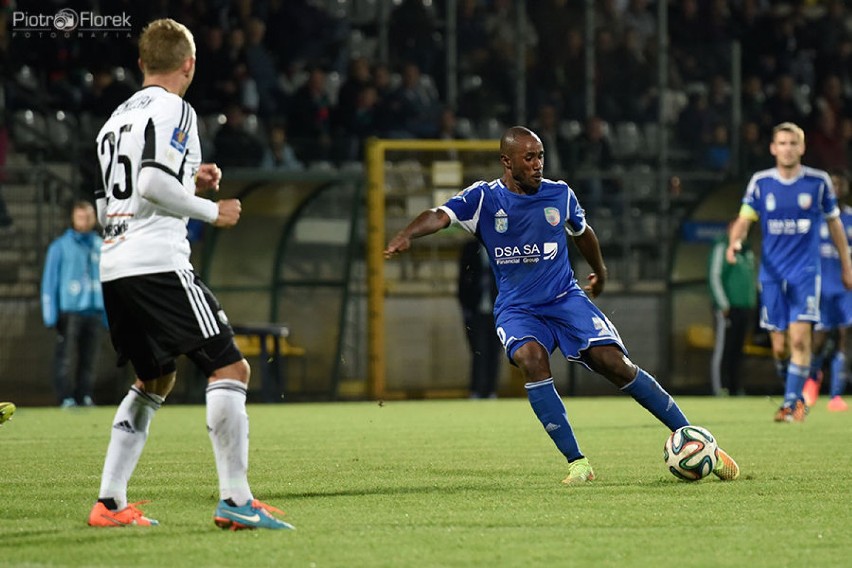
[(238, 371), (533, 360), (160, 386)]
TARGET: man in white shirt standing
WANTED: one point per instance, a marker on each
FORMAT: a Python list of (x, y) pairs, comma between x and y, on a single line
[(150, 159)]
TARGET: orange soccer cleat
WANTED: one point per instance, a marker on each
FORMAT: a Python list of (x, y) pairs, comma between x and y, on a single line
[(128, 517)]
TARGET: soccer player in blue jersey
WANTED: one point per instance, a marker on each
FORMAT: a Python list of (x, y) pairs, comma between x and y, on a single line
[(523, 221), (835, 311), (791, 200)]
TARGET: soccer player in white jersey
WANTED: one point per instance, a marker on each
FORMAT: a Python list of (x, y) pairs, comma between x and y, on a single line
[(524, 221), (157, 307), (790, 200), (835, 311)]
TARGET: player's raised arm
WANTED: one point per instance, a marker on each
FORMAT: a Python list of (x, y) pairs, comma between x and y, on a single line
[(428, 222), (590, 248)]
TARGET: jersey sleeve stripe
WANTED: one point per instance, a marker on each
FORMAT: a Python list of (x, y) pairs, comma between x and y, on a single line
[(149, 150), (159, 166)]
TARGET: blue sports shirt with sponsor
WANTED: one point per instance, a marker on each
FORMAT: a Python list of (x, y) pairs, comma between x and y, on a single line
[(832, 281), (525, 236), (789, 212)]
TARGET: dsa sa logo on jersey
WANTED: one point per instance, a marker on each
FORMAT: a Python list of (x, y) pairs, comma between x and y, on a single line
[(552, 215), (805, 200)]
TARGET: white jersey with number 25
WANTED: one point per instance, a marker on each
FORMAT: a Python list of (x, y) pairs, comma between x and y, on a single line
[(152, 129)]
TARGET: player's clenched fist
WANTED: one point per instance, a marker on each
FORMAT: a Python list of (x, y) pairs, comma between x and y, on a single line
[(229, 213)]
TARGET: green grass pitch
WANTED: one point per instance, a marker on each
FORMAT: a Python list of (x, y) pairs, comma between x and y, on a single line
[(438, 483)]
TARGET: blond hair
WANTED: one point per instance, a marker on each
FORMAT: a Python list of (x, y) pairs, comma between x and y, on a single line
[(789, 127), (164, 45)]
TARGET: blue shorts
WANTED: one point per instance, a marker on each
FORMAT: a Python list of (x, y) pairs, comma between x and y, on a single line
[(787, 301), (573, 323), (835, 310)]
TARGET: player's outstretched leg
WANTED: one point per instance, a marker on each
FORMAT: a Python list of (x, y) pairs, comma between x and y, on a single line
[(647, 391), (548, 407)]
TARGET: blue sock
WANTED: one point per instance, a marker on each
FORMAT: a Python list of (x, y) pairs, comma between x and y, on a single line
[(548, 407), (816, 365), (838, 374), (647, 391), (796, 377)]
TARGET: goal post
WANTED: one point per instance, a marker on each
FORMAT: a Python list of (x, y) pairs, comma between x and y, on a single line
[(467, 157)]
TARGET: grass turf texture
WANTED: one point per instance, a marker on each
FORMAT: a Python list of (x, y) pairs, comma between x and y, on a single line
[(449, 483)]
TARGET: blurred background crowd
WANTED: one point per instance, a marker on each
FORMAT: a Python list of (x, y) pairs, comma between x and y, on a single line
[(290, 83)]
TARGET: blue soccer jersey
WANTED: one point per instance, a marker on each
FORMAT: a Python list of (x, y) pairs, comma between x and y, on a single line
[(788, 211), (832, 281), (526, 238)]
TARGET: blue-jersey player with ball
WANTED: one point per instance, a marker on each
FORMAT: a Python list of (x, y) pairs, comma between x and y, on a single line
[(523, 221)]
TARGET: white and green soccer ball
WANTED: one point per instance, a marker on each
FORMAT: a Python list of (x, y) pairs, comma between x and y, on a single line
[(690, 453)]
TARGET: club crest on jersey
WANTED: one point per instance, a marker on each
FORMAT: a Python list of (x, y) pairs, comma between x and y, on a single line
[(501, 221), (179, 139), (805, 200), (552, 215), (770, 202)]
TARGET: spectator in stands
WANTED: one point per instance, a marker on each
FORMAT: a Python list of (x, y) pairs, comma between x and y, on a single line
[(826, 148), (235, 145), (261, 68), (832, 97), (364, 122), (592, 157), (411, 34), (106, 93), (279, 155), (415, 106), (73, 304), (753, 155), (472, 40), (694, 124), (215, 84), (753, 101), (358, 78), (719, 99), (608, 15), (639, 17), (717, 155), (309, 118), (546, 125)]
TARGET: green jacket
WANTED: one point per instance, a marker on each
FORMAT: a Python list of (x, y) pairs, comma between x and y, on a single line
[(731, 285)]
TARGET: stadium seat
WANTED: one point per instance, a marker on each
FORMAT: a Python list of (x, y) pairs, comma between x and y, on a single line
[(464, 127), (491, 128), (570, 129), (29, 129), (62, 129), (627, 140)]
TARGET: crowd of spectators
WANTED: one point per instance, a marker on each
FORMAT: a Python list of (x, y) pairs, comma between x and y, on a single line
[(300, 81)]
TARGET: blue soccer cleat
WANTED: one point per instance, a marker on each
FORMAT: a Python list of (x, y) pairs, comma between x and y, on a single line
[(253, 515)]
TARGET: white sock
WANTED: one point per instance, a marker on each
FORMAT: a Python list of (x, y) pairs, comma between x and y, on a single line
[(129, 433), (227, 424)]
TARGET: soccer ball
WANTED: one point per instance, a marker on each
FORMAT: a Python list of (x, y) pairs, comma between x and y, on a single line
[(690, 453)]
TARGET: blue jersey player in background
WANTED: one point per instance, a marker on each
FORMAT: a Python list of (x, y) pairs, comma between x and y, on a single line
[(523, 221), (835, 311), (790, 200)]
